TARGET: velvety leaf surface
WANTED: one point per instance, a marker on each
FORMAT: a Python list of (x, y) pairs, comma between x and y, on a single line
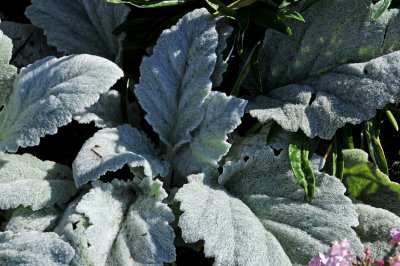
[(47, 93), (265, 184), (127, 224), (104, 113), (81, 27), (29, 43), (34, 248), (28, 181), (24, 220), (365, 182), (7, 71), (374, 228), (209, 142), (232, 233), (111, 148), (175, 80), (311, 80)]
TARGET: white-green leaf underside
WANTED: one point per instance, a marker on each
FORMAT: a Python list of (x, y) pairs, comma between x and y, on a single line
[(81, 27), (259, 203), (25, 220), (175, 80), (7, 71), (127, 224), (311, 81), (28, 181), (111, 148), (48, 93), (34, 248)]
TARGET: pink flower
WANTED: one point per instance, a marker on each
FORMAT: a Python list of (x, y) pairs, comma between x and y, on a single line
[(380, 262), (395, 237), (315, 261), (338, 255), (394, 261), (367, 252)]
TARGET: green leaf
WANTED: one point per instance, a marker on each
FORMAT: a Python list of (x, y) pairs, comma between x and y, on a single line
[(391, 118), (246, 68), (294, 15), (300, 149), (372, 131), (268, 19), (379, 8), (151, 3), (365, 182), (220, 7)]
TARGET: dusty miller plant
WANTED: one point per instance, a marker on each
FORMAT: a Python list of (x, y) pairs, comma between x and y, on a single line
[(234, 193)]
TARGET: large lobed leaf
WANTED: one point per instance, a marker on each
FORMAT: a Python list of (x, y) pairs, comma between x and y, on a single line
[(7, 71), (34, 248), (48, 93), (127, 224), (81, 26), (111, 148), (312, 81), (175, 80), (262, 190), (28, 181)]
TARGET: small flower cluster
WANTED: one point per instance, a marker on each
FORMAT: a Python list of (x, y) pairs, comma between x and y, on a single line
[(340, 254)]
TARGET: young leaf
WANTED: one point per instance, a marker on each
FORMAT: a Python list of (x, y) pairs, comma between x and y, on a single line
[(111, 148), (34, 248), (104, 113), (7, 71), (221, 8), (372, 131), (48, 93), (28, 181), (317, 63), (265, 184), (127, 224), (77, 27), (365, 182), (374, 228), (300, 150), (179, 73), (209, 142), (379, 8)]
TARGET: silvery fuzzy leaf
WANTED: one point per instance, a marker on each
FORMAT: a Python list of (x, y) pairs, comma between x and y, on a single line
[(111, 148), (175, 80), (104, 113), (81, 27), (71, 228), (29, 43), (24, 220), (209, 142), (127, 224), (34, 248), (7, 71), (224, 31), (311, 80), (347, 94), (47, 93), (265, 185), (25, 180), (374, 228), (233, 235)]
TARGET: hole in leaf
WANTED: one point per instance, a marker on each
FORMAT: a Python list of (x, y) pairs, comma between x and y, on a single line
[(277, 151), (220, 170), (312, 99), (245, 158), (74, 225)]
